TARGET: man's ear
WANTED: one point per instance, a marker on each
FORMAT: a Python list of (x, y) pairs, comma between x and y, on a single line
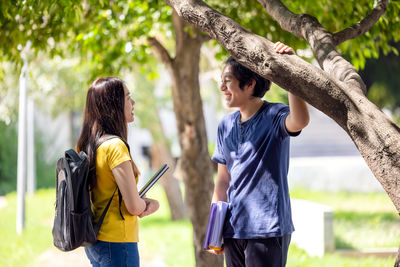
[(251, 85)]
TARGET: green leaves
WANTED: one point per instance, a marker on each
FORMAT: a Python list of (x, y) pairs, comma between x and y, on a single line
[(333, 15), (118, 30), (114, 36), (381, 78), (251, 15), (108, 37), (101, 37), (34, 21)]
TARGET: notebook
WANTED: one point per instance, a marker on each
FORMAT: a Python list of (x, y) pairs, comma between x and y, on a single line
[(153, 180), (215, 226)]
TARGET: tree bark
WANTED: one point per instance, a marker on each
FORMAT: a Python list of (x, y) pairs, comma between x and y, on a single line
[(337, 90), (335, 94), (195, 164), (195, 159), (159, 155)]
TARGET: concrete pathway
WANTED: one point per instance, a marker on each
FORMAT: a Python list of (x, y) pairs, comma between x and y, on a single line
[(77, 258), (56, 258), (3, 202)]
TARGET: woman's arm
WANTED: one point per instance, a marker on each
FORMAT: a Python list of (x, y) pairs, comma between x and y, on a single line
[(126, 182)]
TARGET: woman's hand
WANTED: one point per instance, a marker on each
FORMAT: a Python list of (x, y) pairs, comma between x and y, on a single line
[(282, 48), (152, 206)]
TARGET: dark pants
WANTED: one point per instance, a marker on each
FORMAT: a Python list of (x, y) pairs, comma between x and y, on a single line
[(269, 252)]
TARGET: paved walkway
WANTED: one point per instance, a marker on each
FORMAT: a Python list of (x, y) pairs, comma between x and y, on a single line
[(77, 258), (3, 202), (56, 258)]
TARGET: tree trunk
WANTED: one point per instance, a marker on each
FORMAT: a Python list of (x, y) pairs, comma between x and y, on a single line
[(339, 94), (337, 91), (195, 164), (160, 155), (195, 161)]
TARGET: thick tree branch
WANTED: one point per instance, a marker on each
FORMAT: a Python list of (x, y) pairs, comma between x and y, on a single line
[(179, 26), (205, 38), (185, 32), (320, 40), (160, 51), (362, 26), (374, 134), (286, 18), (255, 52)]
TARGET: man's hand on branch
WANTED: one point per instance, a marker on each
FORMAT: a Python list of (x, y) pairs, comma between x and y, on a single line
[(282, 48)]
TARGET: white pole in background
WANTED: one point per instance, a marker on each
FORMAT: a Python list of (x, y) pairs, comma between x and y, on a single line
[(31, 166), (22, 140)]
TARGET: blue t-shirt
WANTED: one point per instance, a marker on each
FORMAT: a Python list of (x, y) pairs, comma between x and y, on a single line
[(256, 154)]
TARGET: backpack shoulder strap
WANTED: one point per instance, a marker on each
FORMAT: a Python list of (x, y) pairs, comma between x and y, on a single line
[(106, 137), (71, 153), (101, 219), (101, 140)]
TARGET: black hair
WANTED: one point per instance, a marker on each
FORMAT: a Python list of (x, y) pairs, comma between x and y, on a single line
[(245, 76), (104, 114)]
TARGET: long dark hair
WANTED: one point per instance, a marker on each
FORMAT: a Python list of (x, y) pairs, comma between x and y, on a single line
[(104, 114)]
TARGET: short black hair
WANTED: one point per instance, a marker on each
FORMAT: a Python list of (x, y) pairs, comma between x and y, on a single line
[(244, 76)]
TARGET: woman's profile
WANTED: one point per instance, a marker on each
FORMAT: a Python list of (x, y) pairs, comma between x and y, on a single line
[(108, 110)]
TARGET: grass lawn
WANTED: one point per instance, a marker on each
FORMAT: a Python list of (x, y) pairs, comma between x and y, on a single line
[(18, 250), (164, 240), (361, 221)]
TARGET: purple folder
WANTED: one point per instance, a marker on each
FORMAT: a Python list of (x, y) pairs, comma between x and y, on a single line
[(213, 238)]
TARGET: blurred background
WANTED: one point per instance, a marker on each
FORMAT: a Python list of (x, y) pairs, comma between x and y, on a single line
[(51, 52)]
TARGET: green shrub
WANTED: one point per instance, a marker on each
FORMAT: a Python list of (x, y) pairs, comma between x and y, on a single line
[(8, 157), (21, 250), (45, 171)]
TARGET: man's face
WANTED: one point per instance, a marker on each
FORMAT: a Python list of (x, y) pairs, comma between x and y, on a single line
[(234, 96)]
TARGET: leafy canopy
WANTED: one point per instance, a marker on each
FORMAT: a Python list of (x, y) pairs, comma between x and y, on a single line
[(106, 37), (112, 34)]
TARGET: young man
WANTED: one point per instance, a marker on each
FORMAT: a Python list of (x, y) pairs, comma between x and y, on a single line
[(252, 153)]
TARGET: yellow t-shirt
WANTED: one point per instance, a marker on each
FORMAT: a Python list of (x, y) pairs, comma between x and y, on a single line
[(110, 154)]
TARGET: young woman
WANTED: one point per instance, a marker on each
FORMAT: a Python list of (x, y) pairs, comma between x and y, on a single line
[(109, 108)]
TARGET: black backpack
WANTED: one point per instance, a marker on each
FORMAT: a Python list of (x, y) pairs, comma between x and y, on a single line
[(73, 226)]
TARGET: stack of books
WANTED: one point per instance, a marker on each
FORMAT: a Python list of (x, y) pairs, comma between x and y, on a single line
[(215, 226)]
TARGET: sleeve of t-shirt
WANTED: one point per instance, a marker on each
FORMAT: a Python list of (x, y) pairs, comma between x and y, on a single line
[(218, 155), (117, 153), (280, 117)]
